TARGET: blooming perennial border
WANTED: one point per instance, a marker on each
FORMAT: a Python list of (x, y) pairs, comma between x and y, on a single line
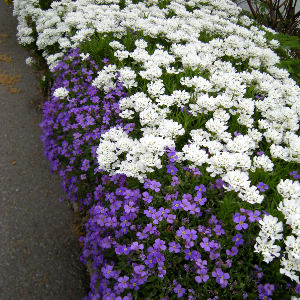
[(172, 144)]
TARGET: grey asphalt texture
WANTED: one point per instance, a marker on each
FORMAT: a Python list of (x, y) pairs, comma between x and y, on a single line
[(39, 249)]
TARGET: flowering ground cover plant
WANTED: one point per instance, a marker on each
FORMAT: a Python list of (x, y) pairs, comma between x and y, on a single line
[(172, 124)]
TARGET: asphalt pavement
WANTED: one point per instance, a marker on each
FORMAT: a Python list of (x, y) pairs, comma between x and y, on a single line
[(39, 249)]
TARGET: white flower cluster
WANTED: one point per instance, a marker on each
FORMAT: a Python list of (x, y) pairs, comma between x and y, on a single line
[(140, 156), (61, 93), (29, 61), (271, 228)]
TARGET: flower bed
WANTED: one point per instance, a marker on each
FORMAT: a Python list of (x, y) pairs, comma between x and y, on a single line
[(171, 124)]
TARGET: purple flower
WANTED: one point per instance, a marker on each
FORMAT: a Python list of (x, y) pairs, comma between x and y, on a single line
[(124, 249), (130, 207), (238, 239), (108, 271), (201, 263), (155, 185), (149, 227), (200, 188), (237, 133), (161, 272), (171, 218), (262, 187), (297, 289), (133, 284), (221, 277), (176, 205), (173, 247), (186, 205), (219, 183), (171, 170), (157, 216), (240, 223), (150, 261), (214, 255), (148, 212), (105, 60), (179, 290), (206, 244), (189, 254), (232, 252), (172, 155), (135, 246), (175, 181), (213, 219), (294, 174), (159, 245), (191, 234), (147, 198), (260, 153), (123, 282), (141, 235), (181, 231), (202, 275), (199, 199), (254, 216), (219, 230)]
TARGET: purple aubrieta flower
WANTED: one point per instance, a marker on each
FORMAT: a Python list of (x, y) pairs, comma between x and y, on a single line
[(186, 205), (240, 223), (171, 170), (150, 261), (123, 282), (260, 153), (148, 212), (237, 133), (199, 199), (297, 289), (172, 155), (136, 246), (176, 205), (161, 272), (181, 231), (253, 216), (175, 181), (294, 174), (238, 239), (147, 198), (179, 290), (191, 234), (141, 235), (200, 188), (155, 185), (159, 245), (221, 277), (232, 252), (206, 244), (214, 255), (202, 275), (262, 186), (173, 247), (190, 255), (201, 263), (150, 228), (105, 60), (219, 230)]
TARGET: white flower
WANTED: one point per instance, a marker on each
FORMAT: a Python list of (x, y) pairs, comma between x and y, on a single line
[(237, 180), (289, 189), (61, 93), (84, 56), (29, 61)]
